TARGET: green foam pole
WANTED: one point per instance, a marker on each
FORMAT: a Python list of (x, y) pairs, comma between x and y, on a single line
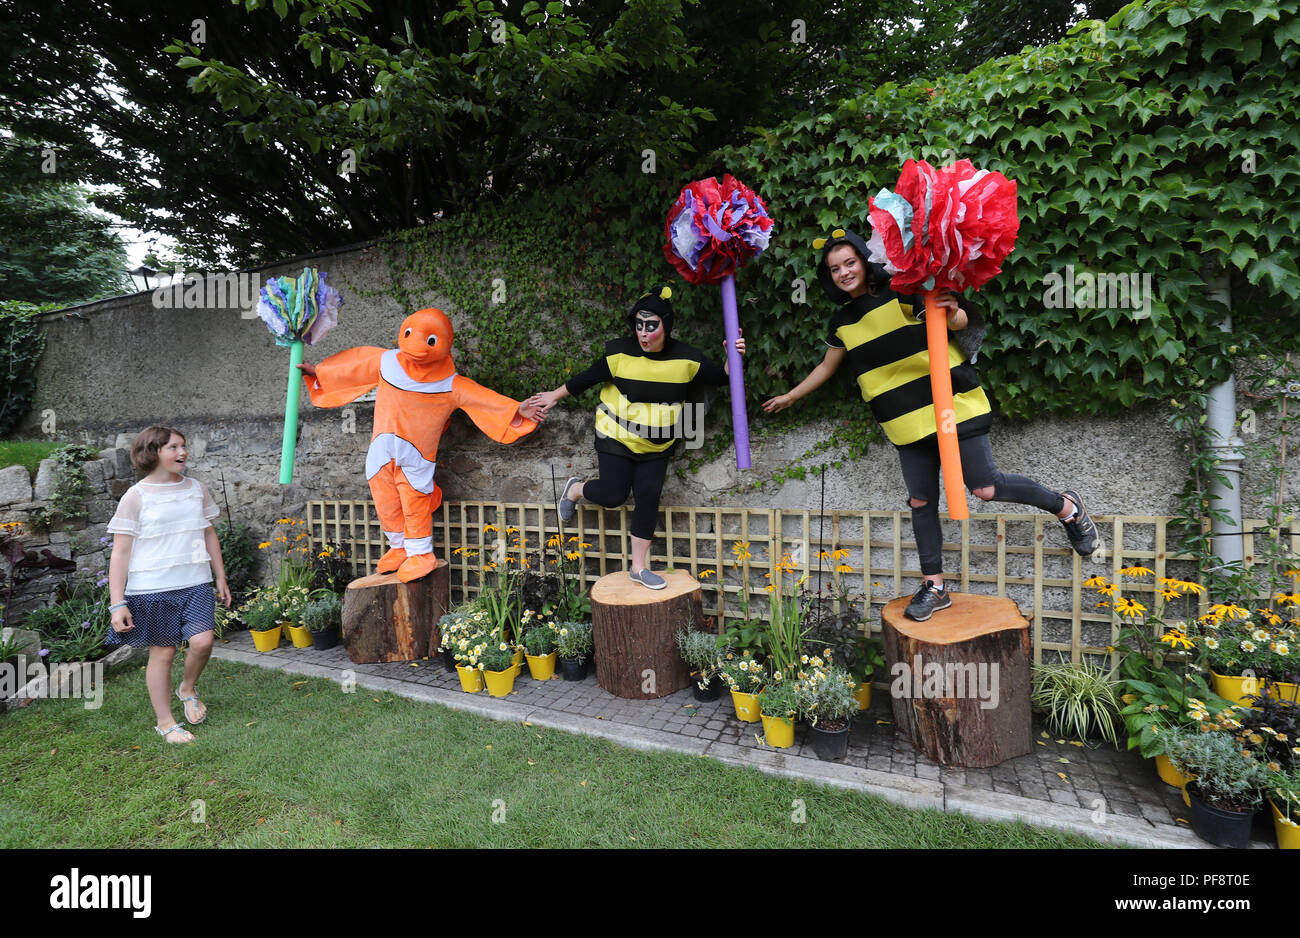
[(290, 440)]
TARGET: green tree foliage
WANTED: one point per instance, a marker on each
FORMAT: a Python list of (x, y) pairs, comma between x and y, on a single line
[(21, 344), (1163, 142), (53, 247), (241, 133)]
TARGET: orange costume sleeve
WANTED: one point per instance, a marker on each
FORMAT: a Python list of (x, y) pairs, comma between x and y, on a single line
[(495, 414), (342, 378)]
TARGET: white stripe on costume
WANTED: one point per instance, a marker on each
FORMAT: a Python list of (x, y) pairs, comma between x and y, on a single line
[(419, 545), (389, 447), (391, 370)]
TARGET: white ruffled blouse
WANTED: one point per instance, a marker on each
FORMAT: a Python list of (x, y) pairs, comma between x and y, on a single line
[(167, 521)]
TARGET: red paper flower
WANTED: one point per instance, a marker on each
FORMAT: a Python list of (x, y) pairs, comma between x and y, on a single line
[(714, 229), (945, 229)]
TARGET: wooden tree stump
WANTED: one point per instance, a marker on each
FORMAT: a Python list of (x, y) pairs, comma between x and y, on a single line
[(634, 633), (960, 681), (385, 619)]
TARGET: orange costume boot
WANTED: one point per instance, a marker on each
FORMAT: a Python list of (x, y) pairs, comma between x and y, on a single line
[(418, 392)]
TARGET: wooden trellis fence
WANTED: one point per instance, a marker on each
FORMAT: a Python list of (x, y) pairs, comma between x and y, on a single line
[(1021, 556)]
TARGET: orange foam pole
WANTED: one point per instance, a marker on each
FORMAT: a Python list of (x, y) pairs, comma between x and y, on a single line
[(936, 334)]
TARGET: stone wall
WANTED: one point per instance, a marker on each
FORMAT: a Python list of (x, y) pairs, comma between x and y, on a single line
[(85, 542), (111, 368)]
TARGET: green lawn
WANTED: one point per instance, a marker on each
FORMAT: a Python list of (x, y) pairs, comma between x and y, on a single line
[(27, 453), (292, 762)]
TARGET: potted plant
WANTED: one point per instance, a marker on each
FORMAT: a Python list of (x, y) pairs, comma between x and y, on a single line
[(499, 669), (779, 705), (1235, 643), (573, 644), (1284, 802), (1079, 700), (1225, 784), (263, 615), (834, 623), (826, 698), (743, 675), (700, 652), (539, 647), (467, 635), (323, 617)]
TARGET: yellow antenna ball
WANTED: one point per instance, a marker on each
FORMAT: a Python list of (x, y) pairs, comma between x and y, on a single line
[(819, 243), (666, 293), (837, 233)]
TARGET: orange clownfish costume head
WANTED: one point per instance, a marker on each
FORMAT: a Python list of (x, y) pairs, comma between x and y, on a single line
[(424, 345)]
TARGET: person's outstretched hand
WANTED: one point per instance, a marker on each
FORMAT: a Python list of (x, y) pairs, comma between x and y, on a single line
[(308, 369), (777, 404)]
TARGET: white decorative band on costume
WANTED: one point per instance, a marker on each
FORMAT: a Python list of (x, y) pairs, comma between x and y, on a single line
[(390, 447), (390, 369), (419, 545), (395, 539)]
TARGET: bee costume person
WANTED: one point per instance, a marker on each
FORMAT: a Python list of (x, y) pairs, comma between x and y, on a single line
[(882, 336), (647, 381)]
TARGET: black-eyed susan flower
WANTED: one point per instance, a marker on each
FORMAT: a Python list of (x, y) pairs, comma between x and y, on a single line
[(1135, 571)]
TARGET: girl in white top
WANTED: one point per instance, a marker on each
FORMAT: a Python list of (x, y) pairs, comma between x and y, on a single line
[(165, 553)]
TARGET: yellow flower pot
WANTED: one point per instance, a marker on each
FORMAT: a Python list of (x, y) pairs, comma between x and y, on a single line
[(746, 706), (1283, 690), (301, 636), (267, 640), (1168, 774), (778, 731), (1234, 688), (1288, 832), (542, 667), (863, 694), (471, 679), (501, 683)]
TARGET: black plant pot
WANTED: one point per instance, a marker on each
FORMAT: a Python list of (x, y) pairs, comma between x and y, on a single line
[(710, 693), (830, 745), (1216, 825), (325, 638), (575, 669), (448, 660)]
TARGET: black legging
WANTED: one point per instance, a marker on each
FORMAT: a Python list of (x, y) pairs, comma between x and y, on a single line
[(921, 476), (618, 476)]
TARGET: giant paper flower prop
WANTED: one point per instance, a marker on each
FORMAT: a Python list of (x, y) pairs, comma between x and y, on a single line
[(301, 309), (944, 229), (298, 311), (713, 230)]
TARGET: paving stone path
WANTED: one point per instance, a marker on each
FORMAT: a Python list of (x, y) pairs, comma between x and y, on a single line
[(1100, 792)]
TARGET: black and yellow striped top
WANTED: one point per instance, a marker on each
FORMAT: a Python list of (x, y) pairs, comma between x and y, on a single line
[(640, 414), (890, 359)]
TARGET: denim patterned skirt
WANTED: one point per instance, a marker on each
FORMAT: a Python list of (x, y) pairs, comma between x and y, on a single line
[(167, 617)]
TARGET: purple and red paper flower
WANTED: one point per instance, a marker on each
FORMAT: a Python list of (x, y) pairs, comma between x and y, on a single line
[(714, 229)]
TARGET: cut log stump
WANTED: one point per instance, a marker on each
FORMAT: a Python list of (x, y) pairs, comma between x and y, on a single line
[(385, 619), (634, 633), (960, 681)]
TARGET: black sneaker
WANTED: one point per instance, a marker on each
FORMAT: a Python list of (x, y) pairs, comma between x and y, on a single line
[(1080, 529), (927, 601)]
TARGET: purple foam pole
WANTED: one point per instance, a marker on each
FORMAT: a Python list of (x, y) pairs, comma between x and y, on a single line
[(731, 329)]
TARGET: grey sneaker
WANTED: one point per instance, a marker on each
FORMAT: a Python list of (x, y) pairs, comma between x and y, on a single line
[(927, 601), (650, 580), (1080, 529), (568, 506)]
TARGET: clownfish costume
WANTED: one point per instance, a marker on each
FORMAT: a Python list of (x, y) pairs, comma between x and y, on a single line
[(418, 392)]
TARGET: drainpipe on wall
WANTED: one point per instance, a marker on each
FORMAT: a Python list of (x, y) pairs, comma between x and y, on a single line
[(1225, 445)]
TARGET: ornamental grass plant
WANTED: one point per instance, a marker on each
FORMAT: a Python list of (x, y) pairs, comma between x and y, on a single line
[(1080, 700)]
